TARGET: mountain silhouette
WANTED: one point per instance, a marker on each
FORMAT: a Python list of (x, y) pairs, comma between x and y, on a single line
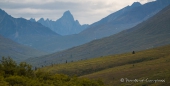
[(66, 25)]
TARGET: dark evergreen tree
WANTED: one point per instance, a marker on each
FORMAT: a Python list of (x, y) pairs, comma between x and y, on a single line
[(133, 52)]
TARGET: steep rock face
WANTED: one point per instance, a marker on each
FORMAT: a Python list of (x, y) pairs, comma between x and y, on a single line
[(125, 18), (66, 25)]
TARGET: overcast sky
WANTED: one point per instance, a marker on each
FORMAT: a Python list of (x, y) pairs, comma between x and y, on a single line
[(85, 11)]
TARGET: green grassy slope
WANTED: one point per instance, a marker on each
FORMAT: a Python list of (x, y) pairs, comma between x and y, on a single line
[(151, 33), (22, 74), (16, 51), (152, 64)]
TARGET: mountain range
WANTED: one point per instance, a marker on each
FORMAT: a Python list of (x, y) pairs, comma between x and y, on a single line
[(35, 35), (151, 33), (124, 18), (24, 31), (66, 25), (43, 38)]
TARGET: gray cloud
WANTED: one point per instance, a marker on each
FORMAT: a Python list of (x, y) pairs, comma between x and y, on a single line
[(85, 11), (52, 6)]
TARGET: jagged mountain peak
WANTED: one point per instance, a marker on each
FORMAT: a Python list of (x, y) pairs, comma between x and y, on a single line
[(48, 19), (67, 12), (2, 11), (32, 19), (66, 25), (3, 14), (41, 19), (136, 4), (68, 15), (77, 21)]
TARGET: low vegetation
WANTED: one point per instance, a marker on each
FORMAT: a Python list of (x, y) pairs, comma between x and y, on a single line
[(137, 68), (151, 64), (22, 74)]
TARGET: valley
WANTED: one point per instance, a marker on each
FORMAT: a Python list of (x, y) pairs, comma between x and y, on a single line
[(151, 33), (128, 47)]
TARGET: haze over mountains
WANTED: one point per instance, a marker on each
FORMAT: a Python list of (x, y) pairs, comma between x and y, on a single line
[(151, 33), (35, 34), (22, 30), (124, 18), (112, 24), (16, 51), (66, 25)]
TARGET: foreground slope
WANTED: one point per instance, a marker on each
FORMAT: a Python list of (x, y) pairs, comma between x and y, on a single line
[(22, 74), (16, 51), (148, 34), (152, 64)]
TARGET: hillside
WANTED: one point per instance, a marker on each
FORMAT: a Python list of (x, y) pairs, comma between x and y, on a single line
[(148, 34), (16, 51), (124, 18), (149, 64)]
